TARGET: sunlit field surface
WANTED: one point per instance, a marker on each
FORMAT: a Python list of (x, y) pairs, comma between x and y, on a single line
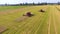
[(12, 22)]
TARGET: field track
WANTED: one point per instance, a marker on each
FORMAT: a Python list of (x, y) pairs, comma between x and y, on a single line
[(47, 22)]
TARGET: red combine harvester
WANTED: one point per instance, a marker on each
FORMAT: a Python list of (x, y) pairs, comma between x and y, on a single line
[(29, 14)]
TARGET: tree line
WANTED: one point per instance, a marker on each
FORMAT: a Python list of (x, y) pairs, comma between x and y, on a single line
[(31, 4)]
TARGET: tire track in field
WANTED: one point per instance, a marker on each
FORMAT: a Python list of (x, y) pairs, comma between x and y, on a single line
[(54, 20), (49, 21)]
